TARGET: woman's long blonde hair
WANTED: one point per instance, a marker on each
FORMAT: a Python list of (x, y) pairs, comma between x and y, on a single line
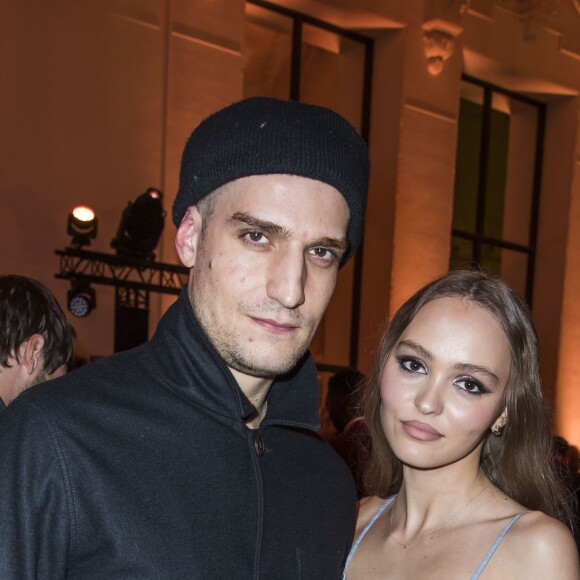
[(519, 462)]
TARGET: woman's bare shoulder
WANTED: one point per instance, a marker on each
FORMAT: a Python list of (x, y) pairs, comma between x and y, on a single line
[(367, 508), (544, 548)]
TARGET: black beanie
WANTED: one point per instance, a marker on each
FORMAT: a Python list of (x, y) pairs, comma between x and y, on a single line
[(261, 136)]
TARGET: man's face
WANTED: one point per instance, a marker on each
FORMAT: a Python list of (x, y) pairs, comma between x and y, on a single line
[(265, 269)]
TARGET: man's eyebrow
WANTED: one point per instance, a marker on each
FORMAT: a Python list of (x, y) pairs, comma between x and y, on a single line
[(242, 217), (340, 244), (463, 367)]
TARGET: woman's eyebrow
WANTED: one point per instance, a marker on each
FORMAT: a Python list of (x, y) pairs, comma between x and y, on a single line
[(472, 368), (417, 348), (463, 367)]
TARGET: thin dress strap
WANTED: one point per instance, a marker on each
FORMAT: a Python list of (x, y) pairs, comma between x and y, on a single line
[(365, 530), (492, 550)]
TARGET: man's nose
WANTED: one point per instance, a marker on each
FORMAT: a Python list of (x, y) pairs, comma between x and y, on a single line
[(287, 278)]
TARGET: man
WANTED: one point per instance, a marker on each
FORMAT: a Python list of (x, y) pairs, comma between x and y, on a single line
[(36, 339), (194, 456)]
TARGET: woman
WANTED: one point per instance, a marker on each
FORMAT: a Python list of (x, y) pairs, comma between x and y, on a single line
[(460, 433)]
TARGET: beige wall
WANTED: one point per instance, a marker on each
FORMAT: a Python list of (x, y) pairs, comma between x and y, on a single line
[(97, 100), (75, 129), (541, 58)]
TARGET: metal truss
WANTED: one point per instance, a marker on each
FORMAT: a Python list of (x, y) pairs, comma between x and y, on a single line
[(113, 270), (131, 298)]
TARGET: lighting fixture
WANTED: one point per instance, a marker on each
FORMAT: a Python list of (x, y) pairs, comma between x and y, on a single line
[(141, 226), (82, 225), (81, 299)]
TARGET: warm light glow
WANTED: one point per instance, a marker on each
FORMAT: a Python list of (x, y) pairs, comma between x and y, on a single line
[(82, 225), (154, 194), (83, 213)]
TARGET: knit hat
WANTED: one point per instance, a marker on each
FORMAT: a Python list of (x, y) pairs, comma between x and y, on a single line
[(261, 136)]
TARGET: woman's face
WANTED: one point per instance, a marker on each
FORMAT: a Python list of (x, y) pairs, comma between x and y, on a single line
[(442, 384)]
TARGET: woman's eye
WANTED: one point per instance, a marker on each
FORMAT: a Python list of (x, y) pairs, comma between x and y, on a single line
[(412, 365), (471, 386)]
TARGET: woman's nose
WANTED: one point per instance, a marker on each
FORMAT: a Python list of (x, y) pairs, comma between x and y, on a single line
[(428, 399)]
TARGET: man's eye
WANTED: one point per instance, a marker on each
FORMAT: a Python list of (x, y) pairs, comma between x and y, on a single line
[(412, 365), (323, 254), (256, 237)]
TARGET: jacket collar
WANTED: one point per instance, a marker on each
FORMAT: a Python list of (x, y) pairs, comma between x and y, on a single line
[(183, 356)]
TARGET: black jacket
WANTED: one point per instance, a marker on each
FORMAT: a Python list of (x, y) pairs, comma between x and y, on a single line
[(140, 466)]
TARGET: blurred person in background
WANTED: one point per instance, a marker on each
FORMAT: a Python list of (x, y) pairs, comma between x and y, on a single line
[(351, 440), (36, 339), (566, 464)]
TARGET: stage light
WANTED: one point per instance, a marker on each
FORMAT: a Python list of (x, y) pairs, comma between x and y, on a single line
[(81, 299), (82, 225), (141, 225)]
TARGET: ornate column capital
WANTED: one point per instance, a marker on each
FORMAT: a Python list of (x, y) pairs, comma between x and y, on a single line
[(439, 43)]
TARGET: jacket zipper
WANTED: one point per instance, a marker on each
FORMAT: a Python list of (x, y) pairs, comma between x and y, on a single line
[(256, 440)]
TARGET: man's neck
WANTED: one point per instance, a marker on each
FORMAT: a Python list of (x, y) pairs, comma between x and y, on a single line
[(256, 390)]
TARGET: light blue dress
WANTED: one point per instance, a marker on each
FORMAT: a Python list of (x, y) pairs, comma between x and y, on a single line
[(389, 501)]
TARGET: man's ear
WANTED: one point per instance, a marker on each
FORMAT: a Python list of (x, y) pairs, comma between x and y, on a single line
[(188, 235), (30, 354)]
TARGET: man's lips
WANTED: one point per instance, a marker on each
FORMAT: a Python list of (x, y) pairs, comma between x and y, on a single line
[(274, 326), (421, 431)]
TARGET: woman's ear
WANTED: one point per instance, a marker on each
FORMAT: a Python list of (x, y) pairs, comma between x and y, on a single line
[(503, 418), (188, 235), (500, 423)]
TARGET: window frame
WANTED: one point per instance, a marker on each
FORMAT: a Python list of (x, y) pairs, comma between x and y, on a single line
[(300, 19), (478, 238)]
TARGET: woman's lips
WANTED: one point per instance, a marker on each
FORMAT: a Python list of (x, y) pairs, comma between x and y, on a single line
[(421, 431)]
